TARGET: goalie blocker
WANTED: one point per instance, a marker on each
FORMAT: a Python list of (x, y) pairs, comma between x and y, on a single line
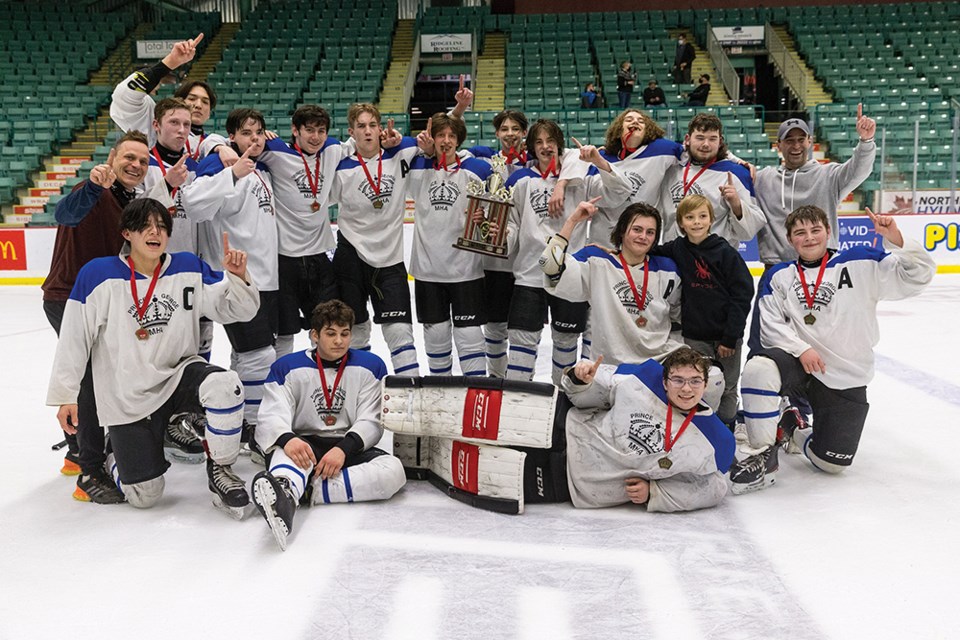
[(491, 443)]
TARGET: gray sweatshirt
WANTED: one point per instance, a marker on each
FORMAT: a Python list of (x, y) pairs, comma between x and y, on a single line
[(780, 190)]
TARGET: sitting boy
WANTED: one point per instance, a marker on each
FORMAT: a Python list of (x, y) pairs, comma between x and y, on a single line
[(321, 413)]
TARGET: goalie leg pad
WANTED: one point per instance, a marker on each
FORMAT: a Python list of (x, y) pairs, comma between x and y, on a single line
[(222, 397), (477, 410), (403, 354), (413, 453), (522, 361), (438, 342), (486, 477), (379, 478), (495, 336)]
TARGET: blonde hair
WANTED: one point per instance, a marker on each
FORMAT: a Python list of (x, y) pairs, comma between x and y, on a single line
[(691, 203), (359, 108)]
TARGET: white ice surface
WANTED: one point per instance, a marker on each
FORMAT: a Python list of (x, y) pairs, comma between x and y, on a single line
[(869, 554)]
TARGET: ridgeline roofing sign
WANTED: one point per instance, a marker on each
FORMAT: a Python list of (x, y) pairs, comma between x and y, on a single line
[(445, 42)]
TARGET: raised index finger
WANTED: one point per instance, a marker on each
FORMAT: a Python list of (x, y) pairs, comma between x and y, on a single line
[(429, 126), (870, 214), (729, 178), (595, 201), (226, 243), (859, 110), (111, 157), (461, 82), (596, 365), (197, 39), (576, 142), (181, 161)]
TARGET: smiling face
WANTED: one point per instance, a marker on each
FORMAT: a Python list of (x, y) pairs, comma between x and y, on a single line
[(795, 147), (333, 340), (366, 131), (510, 134), (310, 137), (249, 136), (130, 163), (639, 238), (809, 239), (173, 129), (149, 243), (688, 394), (696, 224), (199, 101), (702, 145)]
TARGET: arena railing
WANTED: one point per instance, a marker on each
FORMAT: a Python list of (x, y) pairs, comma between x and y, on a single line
[(793, 73)]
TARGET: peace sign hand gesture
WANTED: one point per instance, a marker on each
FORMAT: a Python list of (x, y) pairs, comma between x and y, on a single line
[(886, 227)]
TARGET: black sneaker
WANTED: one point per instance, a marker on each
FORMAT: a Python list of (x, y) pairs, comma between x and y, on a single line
[(755, 472), (226, 485), (790, 421), (98, 487), (180, 440), (276, 503)]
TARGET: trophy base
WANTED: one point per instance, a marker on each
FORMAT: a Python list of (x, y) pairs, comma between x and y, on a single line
[(485, 248)]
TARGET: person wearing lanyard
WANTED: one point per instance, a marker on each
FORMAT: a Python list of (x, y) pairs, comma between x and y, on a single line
[(239, 200), (707, 169), (170, 163), (319, 424), (813, 333), (136, 316)]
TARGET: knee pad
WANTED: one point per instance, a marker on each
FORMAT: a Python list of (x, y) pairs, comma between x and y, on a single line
[(438, 343), (470, 350), (144, 495), (403, 354), (222, 396), (284, 345), (760, 390), (361, 335)]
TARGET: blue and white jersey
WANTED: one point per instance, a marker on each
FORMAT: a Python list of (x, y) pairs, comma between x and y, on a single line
[(135, 377), (441, 210), (618, 431), (644, 169), (185, 234), (244, 209), (375, 230), (707, 184), (294, 400), (301, 230), (595, 276), (845, 330)]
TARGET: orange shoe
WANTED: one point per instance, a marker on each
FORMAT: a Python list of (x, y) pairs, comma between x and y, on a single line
[(71, 466)]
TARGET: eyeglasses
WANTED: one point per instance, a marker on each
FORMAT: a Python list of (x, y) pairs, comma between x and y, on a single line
[(677, 382)]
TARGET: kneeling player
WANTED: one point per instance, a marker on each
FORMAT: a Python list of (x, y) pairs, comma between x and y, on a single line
[(814, 329), (321, 412), (137, 315)]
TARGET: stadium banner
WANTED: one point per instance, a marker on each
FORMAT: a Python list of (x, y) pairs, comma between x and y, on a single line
[(739, 36), (928, 201), (446, 42), (938, 233), (154, 49)]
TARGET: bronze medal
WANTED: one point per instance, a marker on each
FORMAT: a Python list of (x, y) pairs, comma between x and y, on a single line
[(809, 318), (172, 210), (329, 420), (665, 463), (142, 334), (641, 321), (315, 206), (378, 204)]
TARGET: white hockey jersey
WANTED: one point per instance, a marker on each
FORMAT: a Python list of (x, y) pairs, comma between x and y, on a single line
[(294, 401), (618, 431), (441, 209), (244, 209), (375, 231), (595, 276), (135, 377), (707, 183), (185, 234), (845, 329)]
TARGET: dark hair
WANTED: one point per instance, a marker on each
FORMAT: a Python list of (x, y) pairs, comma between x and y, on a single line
[(684, 357), (631, 212), (311, 114), (706, 75), (709, 122), (510, 114), (441, 121), (614, 141), (806, 213), (237, 118), (331, 313), (132, 136), (167, 105), (184, 90), (139, 213), (551, 128)]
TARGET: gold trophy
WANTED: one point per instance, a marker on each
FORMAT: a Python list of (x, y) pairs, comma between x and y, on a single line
[(488, 234)]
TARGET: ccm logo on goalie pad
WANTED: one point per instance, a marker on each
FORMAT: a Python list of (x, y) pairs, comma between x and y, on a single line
[(466, 458), (481, 414)]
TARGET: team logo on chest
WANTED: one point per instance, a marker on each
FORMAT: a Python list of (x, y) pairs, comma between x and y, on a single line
[(328, 414), (157, 315), (645, 435), (677, 194), (443, 195), (539, 199), (303, 184), (821, 298), (625, 295), (386, 190), (264, 199), (636, 182)]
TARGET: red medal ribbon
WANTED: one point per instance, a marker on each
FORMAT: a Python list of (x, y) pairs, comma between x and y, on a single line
[(314, 180), (811, 297), (323, 379), (668, 444), (438, 165), (551, 169), (133, 288), (686, 171), (512, 154), (163, 170), (641, 300), (195, 156), (625, 150), (363, 164)]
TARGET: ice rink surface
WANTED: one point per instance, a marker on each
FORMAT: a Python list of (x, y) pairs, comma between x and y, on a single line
[(868, 554)]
